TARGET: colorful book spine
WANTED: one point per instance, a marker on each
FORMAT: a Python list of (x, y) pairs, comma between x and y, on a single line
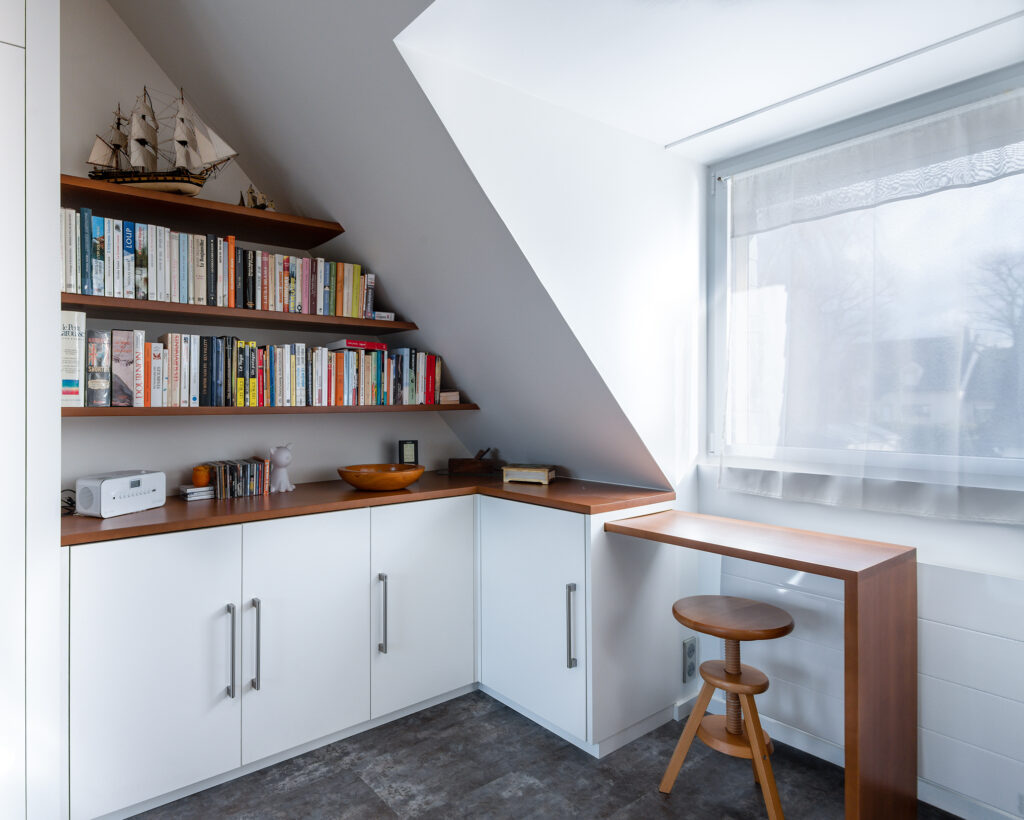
[(97, 368), (156, 365), (199, 268), (87, 251), (138, 368), (72, 358), (265, 281), (122, 368), (128, 262), (230, 242), (193, 370)]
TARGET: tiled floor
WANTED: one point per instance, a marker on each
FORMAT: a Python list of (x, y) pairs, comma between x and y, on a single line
[(474, 757)]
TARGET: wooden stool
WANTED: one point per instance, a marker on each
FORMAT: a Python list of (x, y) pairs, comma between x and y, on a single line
[(738, 733)]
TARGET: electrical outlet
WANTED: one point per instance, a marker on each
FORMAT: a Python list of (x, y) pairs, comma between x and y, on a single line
[(689, 659)]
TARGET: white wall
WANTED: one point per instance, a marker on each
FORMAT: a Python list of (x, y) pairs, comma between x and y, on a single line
[(103, 62), (610, 224)]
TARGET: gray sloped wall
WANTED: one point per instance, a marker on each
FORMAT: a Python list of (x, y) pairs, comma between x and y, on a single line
[(330, 122)]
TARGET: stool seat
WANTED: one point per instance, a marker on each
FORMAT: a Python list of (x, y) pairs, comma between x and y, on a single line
[(750, 680), (736, 619)]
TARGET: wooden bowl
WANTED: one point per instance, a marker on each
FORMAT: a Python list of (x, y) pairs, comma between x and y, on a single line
[(378, 477)]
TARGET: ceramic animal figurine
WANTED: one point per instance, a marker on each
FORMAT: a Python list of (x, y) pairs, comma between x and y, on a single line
[(281, 457)]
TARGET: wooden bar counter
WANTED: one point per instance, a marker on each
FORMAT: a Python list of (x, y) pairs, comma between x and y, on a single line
[(880, 639), (586, 497)]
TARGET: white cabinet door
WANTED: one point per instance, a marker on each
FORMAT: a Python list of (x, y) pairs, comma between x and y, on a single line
[(151, 661), (12, 481), (309, 574), (425, 549), (533, 623)]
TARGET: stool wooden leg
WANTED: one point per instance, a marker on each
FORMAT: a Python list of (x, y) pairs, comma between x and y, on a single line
[(686, 738), (762, 763)]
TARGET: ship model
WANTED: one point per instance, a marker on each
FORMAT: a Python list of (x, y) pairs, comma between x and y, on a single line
[(132, 154)]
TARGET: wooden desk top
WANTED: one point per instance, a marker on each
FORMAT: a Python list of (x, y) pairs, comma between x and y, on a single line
[(572, 495), (815, 552)]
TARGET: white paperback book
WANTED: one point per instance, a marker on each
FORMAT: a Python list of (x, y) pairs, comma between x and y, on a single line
[(193, 371), (72, 358)]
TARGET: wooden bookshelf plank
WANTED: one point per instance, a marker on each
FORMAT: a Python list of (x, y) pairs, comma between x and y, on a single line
[(196, 215), (108, 307), (103, 412)]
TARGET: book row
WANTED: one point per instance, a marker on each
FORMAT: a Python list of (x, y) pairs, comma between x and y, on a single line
[(238, 478), (120, 368), (101, 256)]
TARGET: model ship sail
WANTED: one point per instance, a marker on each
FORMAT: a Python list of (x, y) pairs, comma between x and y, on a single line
[(195, 152)]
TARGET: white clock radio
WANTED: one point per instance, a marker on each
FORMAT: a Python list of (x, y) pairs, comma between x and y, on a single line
[(118, 493)]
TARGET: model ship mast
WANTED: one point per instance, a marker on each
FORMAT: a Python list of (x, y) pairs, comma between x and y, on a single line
[(134, 157)]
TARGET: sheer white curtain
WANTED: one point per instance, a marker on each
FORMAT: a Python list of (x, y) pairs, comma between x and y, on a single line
[(875, 349)]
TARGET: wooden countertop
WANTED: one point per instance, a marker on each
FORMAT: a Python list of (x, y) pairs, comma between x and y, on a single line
[(822, 554), (573, 495)]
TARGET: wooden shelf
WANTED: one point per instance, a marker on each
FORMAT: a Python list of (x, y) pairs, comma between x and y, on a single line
[(108, 307), (196, 215), (103, 412)]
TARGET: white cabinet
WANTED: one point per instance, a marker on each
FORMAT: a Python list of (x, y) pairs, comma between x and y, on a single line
[(12, 481), (532, 590), (12, 28), (305, 641), (151, 663), (422, 577)]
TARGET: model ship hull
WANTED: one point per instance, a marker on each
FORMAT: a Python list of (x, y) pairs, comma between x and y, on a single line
[(172, 182)]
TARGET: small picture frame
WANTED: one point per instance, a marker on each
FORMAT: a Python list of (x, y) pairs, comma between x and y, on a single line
[(408, 451)]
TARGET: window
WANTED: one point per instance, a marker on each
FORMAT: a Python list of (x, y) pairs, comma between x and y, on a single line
[(870, 348)]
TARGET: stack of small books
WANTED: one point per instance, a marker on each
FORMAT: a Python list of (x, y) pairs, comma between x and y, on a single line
[(190, 492)]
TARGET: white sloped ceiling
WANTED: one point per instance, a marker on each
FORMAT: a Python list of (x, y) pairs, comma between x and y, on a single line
[(330, 122)]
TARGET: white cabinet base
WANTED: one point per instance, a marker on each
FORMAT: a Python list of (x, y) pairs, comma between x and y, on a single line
[(234, 774)]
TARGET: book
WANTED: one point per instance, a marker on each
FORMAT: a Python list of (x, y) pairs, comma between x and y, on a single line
[(193, 370), (184, 279), (117, 257), (355, 344), (138, 368), (128, 261), (205, 383), (449, 397), (98, 255), (72, 358), (97, 368), (208, 244), (265, 281), (199, 264), (221, 278), (87, 251), (152, 237), (172, 368), (370, 281), (355, 308), (141, 261), (122, 368), (232, 264), (184, 383), (384, 316), (156, 365), (108, 256), (250, 280)]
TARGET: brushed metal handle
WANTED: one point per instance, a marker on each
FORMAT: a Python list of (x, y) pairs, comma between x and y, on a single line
[(570, 661), (382, 647), (258, 605), (232, 690)]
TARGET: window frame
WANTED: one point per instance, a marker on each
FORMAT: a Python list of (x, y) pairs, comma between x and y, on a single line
[(717, 237)]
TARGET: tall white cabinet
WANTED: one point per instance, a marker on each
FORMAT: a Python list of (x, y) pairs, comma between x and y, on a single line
[(12, 488), (306, 618), (423, 610), (155, 684)]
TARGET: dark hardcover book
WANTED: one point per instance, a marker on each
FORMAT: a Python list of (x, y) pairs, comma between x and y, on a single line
[(86, 251), (239, 277), (216, 371), (97, 368), (122, 368), (204, 372), (309, 379), (250, 280), (211, 269)]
